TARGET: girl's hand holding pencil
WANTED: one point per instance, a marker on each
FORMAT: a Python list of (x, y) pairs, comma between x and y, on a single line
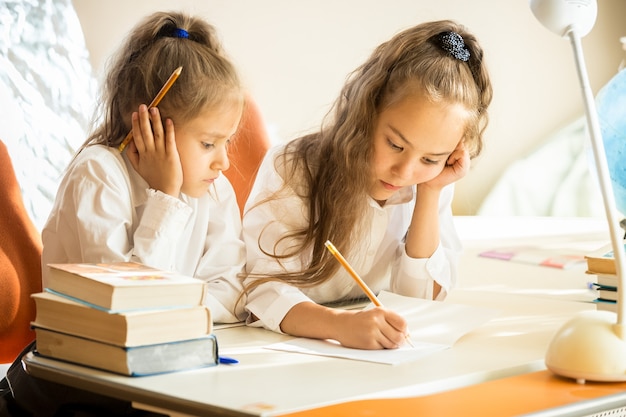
[(152, 143), (155, 102), (387, 323), (372, 329), (153, 153)]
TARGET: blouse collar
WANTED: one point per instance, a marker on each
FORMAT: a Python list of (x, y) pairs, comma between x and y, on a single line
[(404, 195)]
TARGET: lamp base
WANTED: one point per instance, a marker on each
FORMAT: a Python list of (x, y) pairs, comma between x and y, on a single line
[(587, 348)]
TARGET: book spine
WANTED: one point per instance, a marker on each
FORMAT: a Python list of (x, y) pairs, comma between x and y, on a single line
[(131, 329), (136, 361)]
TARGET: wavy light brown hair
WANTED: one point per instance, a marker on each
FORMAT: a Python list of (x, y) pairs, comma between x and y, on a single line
[(330, 169), (146, 59)]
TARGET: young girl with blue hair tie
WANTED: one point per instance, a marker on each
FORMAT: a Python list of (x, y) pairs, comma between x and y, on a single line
[(160, 199)]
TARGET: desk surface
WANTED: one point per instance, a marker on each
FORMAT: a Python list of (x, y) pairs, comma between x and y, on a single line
[(534, 302), (571, 235)]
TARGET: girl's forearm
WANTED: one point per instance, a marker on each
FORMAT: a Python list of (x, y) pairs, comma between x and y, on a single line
[(312, 320), (423, 235)]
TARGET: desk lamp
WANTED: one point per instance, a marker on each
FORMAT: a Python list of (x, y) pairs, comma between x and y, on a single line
[(592, 345)]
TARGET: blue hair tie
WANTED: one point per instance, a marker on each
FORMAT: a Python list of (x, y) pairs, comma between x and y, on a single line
[(181, 33)]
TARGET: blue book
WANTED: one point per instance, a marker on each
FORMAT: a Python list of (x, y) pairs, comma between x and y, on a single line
[(141, 360), (608, 305)]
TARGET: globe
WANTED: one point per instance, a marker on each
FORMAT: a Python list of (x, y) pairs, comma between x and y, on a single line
[(611, 107)]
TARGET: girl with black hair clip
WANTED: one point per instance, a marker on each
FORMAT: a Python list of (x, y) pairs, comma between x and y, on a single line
[(377, 181)]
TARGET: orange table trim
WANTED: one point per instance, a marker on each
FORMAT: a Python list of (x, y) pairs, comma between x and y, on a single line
[(510, 396)]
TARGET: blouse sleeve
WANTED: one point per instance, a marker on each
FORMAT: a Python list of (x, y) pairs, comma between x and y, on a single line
[(415, 277), (264, 225), (163, 219), (224, 256), (94, 217)]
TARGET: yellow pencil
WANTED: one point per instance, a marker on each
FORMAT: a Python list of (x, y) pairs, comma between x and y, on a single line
[(155, 102), (358, 279)]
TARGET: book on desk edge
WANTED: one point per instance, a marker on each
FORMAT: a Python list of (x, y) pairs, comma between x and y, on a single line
[(604, 280), (606, 305), (605, 286), (606, 293), (134, 328), (120, 286), (602, 261), (144, 360)]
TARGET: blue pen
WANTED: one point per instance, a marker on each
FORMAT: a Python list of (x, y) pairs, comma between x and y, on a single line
[(227, 361)]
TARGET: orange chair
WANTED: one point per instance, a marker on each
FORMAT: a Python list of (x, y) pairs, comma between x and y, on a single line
[(248, 148), (20, 264)]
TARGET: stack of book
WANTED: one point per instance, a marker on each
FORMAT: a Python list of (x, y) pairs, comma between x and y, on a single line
[(125, 318), (601, 263)]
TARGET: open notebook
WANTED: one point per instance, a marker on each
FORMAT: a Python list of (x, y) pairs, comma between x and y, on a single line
[(433, 325)]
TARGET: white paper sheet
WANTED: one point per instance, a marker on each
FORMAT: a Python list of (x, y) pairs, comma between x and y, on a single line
[(433, 326)]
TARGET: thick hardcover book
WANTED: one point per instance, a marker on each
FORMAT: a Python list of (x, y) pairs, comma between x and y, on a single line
[(607, 305), (134, 328), (606, 280), (124, 285), (601, 261), (141, 360), (607, 293)]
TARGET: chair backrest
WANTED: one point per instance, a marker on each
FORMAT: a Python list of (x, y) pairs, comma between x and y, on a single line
[(248, 148), (20, 264)]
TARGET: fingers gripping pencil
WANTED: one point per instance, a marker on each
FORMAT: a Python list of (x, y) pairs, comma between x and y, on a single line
[(370, 294), (155, 102)]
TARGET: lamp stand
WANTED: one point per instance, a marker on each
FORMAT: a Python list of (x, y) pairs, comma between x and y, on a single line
[(592, 345)]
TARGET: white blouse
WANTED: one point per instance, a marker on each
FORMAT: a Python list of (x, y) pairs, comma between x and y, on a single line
[(380, 258), (105, 212)]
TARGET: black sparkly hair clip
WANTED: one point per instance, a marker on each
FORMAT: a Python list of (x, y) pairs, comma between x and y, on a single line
[(452, 43)]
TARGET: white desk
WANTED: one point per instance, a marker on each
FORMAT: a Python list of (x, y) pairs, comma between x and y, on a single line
[(534, 301), (580, 235)]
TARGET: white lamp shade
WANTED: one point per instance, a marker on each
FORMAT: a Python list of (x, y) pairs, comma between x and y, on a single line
[(561, 16)]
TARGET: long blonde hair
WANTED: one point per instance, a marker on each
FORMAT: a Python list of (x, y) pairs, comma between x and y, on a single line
[(335, 161), (153, 49)]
